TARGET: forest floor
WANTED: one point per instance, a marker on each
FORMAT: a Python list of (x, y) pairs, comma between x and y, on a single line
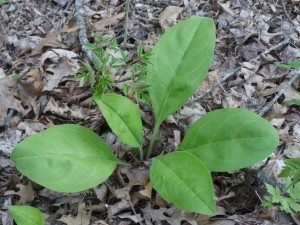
[(41, 54)]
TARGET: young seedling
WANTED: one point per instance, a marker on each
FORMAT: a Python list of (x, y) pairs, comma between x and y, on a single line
[(101, 77), (72, 158), (288, 199)]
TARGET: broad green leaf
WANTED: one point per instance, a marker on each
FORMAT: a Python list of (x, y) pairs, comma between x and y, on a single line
[(123, 117), (180, 61), (65, 158), (230, 139), (26, 215), (182, 179)]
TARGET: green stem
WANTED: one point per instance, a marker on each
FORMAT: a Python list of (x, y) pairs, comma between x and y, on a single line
[(152, 141), (141, 153)]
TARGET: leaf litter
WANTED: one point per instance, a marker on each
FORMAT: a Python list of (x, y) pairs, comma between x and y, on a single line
[(41, 41)]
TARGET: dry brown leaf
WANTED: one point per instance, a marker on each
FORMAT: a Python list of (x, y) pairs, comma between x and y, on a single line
[(147, 191), (25, 192), (69, 28), (8, 100), (169, 16), (64, 68), (30, 127), (34, 81), (52, 40), (65, 63), (137, 175), (103, 24), (64, 110), (83, 217), (55, 55), (172, 216)]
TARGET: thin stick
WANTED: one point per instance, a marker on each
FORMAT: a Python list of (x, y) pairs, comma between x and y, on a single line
[(286, 13), (232, 73), (267, 107), (134, 212), (126, 22), (82, 33)]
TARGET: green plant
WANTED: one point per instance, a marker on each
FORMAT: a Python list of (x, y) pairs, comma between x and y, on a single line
[(290, 65), (75, 159), (2, 2), (26, 215), (288, 199), (112, 58)]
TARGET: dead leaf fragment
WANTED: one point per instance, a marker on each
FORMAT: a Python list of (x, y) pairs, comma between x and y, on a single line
[(169, 16), (83, 217), (64, 110), (172, 216), (147, 192), (8, 100), (52, 40), (25, 192), (103, 24), (64, 64), (34, 81)]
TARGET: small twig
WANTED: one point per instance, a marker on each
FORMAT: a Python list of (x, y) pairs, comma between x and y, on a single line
[(267, 107), (286, 13), (232, 73), (82, 33), (126, 22), (134, 212)]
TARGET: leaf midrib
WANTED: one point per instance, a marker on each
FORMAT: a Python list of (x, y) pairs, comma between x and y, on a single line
[(69, 155), (158, 120), (224, 140)]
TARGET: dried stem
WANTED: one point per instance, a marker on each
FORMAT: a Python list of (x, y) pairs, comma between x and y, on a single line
[(267, 107)]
